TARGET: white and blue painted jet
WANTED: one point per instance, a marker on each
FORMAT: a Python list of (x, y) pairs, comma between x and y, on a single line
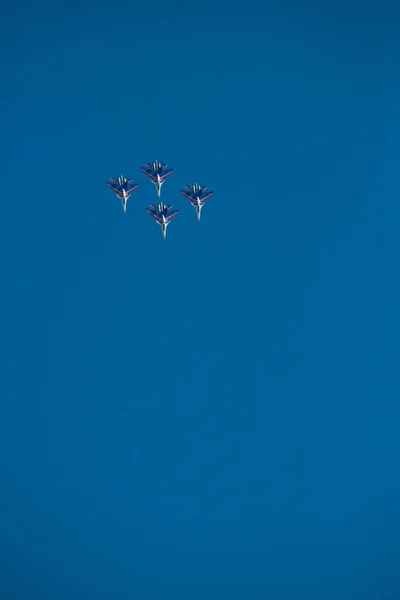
[(163, 215), (197, 194), (158, 173), (123, 188)]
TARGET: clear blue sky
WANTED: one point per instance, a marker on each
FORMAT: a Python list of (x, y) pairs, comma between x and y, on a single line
[(214, 415)]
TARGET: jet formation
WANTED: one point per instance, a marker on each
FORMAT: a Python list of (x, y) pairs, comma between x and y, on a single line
[(162, 213)]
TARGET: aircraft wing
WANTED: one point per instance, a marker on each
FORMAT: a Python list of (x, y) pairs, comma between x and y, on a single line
[(193, 198), (128, 192), (148, 172), (112, 187), (120, 193), (153, 213), (206, 197), (166, 173), (172, 215), (187, 195), (132, 187)]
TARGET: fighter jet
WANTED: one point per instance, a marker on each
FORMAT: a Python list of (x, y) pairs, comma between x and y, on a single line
[(123, 188), (157, 172), (163, 215), (197, 195)]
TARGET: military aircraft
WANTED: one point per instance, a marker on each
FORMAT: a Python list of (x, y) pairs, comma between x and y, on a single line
[(163, 215), (123, 188), (157, 172), (197, 195)]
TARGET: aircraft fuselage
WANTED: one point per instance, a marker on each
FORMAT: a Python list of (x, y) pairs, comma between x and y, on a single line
[(158, 185), (164, 224)]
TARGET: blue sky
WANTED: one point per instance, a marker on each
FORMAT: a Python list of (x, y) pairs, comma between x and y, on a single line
[(213, 415)]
